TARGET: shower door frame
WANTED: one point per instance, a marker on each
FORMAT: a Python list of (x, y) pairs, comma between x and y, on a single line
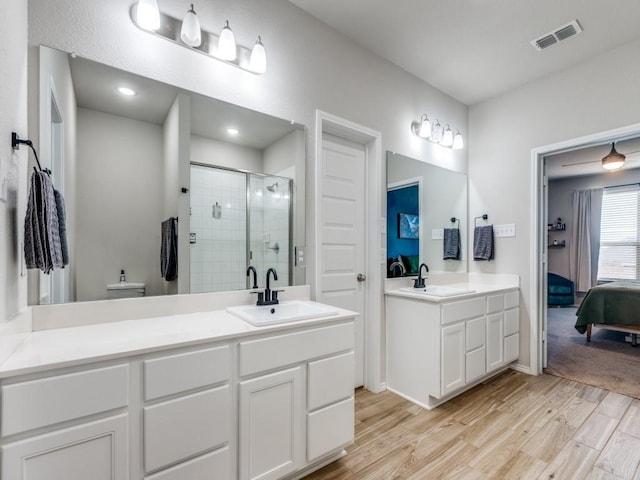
[(248, 174)]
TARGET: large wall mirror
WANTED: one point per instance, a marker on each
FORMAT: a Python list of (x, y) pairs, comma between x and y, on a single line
[(426, 217), (228, 180)]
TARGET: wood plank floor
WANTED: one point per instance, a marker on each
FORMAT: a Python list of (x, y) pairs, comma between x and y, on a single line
[(514, 426)]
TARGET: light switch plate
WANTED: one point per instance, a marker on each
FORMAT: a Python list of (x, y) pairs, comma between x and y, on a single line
[(506, 230), (299, 256), (437, 234)]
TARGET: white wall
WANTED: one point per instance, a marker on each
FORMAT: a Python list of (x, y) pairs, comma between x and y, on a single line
[(13, 168), (599, 95), (560, 194), (118, 222), (224, 154)]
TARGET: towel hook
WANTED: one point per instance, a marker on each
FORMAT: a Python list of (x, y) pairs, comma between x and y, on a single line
[(483, 217)]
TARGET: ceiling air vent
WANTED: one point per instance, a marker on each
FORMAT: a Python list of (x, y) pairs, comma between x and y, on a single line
[(558, 35)]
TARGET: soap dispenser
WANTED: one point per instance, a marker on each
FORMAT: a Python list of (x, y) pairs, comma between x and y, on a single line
[(122, 276)]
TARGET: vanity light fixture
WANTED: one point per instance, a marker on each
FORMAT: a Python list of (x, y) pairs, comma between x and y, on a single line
[(613, 160), (190, 31), (146, 15), (227, 43), (233, 131), (434, 133)]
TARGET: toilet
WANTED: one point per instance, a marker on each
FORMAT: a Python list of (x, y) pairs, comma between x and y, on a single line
[(125, 290)]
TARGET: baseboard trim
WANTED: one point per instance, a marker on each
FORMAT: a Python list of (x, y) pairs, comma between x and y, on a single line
[(518, 367)]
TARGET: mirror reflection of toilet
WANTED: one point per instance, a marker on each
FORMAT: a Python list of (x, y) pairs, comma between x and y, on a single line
[(125, 290)]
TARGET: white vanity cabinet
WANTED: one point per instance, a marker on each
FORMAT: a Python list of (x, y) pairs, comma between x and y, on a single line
[(259, 405), (295, 391), (50, 430), (437, 349)]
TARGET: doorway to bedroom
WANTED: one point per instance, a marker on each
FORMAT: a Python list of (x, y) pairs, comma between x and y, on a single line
[(589, 234)]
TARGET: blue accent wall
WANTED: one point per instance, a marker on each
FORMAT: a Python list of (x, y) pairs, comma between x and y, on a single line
[(401, 200)]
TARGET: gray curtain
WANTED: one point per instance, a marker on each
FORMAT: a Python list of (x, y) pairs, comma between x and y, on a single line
[(586, 212)]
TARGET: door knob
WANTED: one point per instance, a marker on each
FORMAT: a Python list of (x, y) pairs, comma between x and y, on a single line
[(361, 277)]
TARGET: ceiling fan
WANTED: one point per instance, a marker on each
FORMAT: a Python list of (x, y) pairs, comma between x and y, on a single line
[(613, 160)]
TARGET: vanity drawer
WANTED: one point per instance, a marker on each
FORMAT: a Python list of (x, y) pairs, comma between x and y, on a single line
[(511, 299), (185, 426), (282, 350), (46, 401), (330, 428), (212, 466), (511, 321), (185, 371), (330, 380), (475, 363), (454, 311), (511, 348), (495, 303)]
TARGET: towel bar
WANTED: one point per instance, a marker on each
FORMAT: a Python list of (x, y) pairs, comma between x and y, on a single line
[(483, 217)]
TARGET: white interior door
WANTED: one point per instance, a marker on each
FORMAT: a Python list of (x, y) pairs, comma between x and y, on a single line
[(342, 260)]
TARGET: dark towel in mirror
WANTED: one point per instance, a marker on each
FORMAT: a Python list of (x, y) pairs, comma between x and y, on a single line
[(169, 249), (483, 243), (451, 244)]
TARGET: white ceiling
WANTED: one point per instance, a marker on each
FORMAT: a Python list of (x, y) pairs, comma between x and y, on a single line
[(95, 88), (476, 49)]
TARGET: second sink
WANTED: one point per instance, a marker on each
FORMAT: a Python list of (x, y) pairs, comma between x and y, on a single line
[(438, 290)]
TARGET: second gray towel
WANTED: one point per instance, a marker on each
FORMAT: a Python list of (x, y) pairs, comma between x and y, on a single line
[(483, 243), (451, 244)]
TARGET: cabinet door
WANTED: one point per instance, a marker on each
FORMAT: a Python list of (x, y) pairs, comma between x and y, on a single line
[(96, 451), (453, 358), (495, 352), (271, 425)]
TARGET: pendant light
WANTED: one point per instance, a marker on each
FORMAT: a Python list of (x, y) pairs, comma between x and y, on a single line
[(148, 14), (227, 43), (447, 137), (190, 32), (424, 131), (458, 143), (258, 59), (613, 160)]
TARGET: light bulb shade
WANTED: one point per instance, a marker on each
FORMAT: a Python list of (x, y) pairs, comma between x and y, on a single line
[(258, 59), (447, 137), (148, 14), (227, 44), (458, 142), (436, 132), (424, 130), (613, 160), (190, 32)]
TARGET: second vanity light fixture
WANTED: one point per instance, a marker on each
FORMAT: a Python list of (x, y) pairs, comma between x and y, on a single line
[(146, 15), (435, 133)]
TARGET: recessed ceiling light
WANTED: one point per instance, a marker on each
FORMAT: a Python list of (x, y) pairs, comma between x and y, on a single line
[(126, 91), (233, 131)]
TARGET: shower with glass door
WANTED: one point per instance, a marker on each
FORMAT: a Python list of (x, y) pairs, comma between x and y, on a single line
[(238, 219)]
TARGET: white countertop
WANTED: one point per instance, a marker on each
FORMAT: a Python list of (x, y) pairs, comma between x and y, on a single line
[(480, 284), (63, 347)]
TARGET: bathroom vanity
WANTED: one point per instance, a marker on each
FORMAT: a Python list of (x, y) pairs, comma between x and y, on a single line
[(440, 346), (184, 397)]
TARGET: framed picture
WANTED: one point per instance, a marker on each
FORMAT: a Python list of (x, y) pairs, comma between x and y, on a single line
[(408, 226)]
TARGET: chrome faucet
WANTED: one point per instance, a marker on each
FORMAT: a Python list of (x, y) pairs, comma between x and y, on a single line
[(419, 282), (398, 264), (255, 275), (268, 297)]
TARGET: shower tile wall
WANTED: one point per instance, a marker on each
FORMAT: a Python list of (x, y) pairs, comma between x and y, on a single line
[(270, 225), (218, 256)]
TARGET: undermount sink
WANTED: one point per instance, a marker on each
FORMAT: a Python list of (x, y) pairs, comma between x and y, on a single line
[(289, 311), (438, 290)]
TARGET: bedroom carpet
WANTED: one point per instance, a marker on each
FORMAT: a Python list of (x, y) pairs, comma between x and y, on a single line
[(608, 362)]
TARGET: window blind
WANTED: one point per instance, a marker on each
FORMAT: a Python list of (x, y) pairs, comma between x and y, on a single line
[(619, 234)]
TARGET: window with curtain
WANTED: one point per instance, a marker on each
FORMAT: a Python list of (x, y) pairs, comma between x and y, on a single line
[(619, 234)]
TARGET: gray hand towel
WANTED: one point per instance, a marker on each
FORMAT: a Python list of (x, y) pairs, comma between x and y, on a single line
[(483, 243), (451, 244), (62, 226)]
